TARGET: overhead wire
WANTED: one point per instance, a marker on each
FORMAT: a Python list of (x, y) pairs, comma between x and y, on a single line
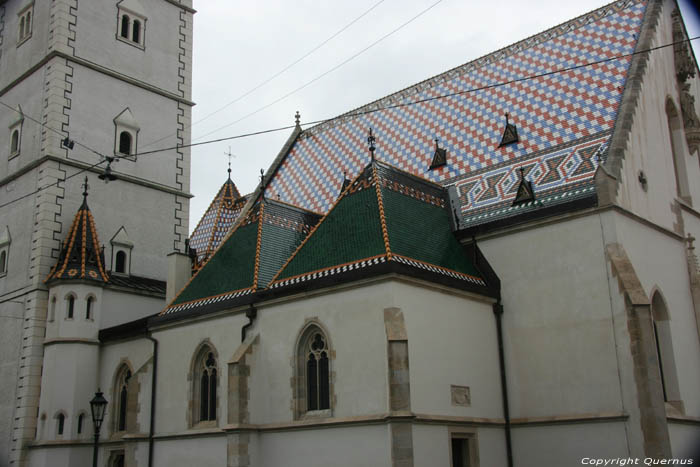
[(280, 72), (421, 101), (359, 113), (334, 68)]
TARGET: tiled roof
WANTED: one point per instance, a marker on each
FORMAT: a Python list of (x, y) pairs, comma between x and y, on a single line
[(144, 284), (217, 220), (384, 216), (564, 121), (248, 257), (80, 256)]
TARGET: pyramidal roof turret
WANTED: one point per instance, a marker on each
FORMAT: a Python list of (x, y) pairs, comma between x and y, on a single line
[(216, 221), (81, 257), (385, 221)]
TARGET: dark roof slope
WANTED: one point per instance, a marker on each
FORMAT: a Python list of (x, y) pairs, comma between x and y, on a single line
[(384, 216), (248, 257)]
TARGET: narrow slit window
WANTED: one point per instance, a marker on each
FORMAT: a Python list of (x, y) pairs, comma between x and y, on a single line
[(14, 143), (80, 423), (88, 307), (3, 261), (71, 307), (60, 422)]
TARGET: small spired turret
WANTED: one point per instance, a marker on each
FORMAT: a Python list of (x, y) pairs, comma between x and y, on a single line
[(81, 256), (75, 291)]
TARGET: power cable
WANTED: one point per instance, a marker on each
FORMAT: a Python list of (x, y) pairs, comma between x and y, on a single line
[(427, 99), (325, 72), (249, 92)]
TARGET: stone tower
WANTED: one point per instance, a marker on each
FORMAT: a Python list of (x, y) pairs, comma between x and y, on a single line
[(83, 82)]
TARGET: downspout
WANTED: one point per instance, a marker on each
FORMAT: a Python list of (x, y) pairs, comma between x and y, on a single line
[(151, 430), (251, 313), (498, 312)]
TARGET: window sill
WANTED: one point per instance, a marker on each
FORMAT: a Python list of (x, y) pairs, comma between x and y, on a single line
[(316, 414), (204, 425), (24, 39), (130, 42), (13, 155)]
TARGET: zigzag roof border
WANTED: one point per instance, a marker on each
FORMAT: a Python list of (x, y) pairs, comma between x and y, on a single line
[(500, 54)]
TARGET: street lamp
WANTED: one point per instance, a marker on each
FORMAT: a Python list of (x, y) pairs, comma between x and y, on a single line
[(98, 404)]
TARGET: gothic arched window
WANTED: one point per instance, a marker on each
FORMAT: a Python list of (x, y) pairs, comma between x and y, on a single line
[(121, 398), (205, 381), (313, 371)]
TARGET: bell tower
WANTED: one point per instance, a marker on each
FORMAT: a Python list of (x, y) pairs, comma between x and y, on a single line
[(86, 86)]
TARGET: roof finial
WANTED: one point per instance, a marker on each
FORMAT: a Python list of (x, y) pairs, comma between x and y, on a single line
[(230, 155), (297, 118), (522, 173), (85, 188), (370, 140), (506, 118), (437, 141)]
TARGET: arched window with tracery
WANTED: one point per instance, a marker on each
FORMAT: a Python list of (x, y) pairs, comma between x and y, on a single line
[(121, 398), (205, 382), (313, 371)]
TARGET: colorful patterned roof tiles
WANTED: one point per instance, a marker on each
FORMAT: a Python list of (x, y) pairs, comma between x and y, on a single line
[(555, 115), (217, 220), (81, 256), (385, 217), (248, 258)]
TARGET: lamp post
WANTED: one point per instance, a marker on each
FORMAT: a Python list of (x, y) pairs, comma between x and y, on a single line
[(98, 404)]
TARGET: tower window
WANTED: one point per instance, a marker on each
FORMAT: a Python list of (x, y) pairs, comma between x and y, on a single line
[(14, 144), (24, 31), (80, 422), (120, 262), (125, 26), (125, 142), (3, 261), (136, 36)]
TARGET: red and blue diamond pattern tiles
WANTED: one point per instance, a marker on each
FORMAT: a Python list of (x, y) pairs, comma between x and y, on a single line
[(217, 220), (550, 112)]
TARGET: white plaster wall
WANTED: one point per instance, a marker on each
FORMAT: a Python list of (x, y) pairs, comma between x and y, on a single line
[(92, 123), (649, 144), (15, 60), (200, 452), (354, 319), (559, 345), (685, 440), (27, 94), (567, 445), (452, 340), (96, 40), (431, 445), (361, 446), (119, 307), (664, 267), (10, 343), (60, 456), (177, 346), (67, 385)]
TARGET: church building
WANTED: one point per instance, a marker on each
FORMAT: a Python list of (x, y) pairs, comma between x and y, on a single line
[(493, 267)]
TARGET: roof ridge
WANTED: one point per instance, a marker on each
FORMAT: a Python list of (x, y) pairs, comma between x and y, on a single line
[(382, 218), (503, 52), (258, 244)]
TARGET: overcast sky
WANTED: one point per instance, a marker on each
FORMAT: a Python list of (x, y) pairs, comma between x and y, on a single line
[(239, 45)]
